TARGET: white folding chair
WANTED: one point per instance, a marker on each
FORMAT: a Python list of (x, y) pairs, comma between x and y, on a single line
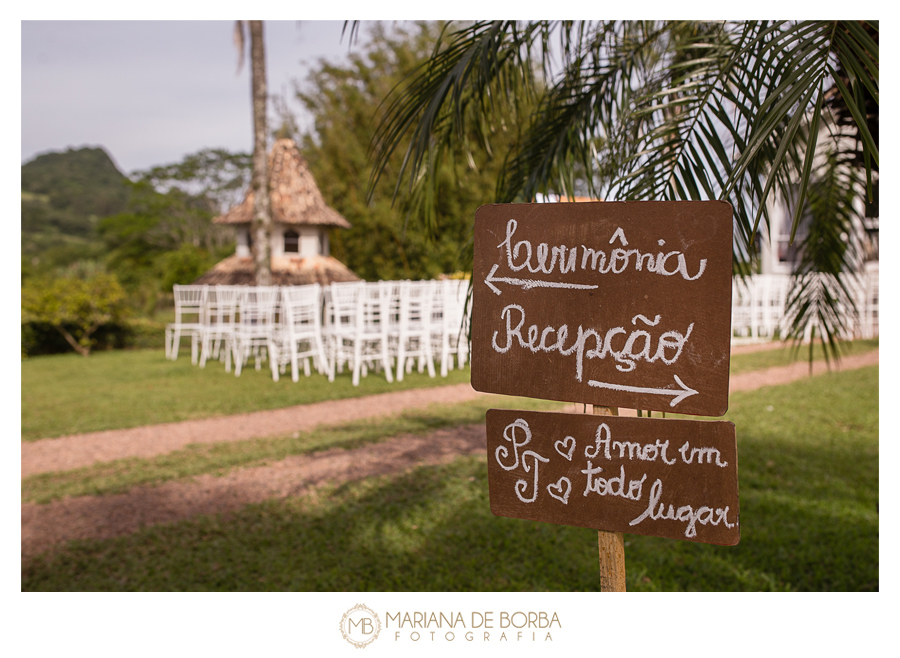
[(464, 305), (447, 323), (869, 311), (254, 331), (741, 307), (341, 309), (412, 334), (301, 316), (776, 298), (190, 308), (357, 328), (218, 327), (375, 298)]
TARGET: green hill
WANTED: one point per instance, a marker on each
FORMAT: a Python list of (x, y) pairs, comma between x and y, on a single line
[(63, 195)]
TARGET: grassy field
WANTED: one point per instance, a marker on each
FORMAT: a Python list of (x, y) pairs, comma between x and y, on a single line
[(67, 394), (809, 516), (782, 355)]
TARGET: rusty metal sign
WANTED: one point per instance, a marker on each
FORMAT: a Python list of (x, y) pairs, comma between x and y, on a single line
[(659, 477), (609, 303)]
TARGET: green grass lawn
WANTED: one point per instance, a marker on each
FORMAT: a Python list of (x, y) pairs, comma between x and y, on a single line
[(808, 474), (783, 354), (67, 394)]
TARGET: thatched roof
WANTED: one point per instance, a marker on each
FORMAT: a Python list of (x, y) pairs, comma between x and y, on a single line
[(293, 192), (286, 271)]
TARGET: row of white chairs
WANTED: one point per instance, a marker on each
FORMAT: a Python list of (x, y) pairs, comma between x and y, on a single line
[(387, 326), (758, 307)]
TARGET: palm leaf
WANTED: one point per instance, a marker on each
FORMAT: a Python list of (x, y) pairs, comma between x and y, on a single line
[(822, 294), (657, 110)]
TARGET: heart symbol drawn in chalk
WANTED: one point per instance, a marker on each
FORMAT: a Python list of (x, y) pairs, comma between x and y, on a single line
[(562, 496), (561, 445)]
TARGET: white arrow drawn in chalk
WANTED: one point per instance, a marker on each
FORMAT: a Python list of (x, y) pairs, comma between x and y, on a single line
[(684, 392), (528, 284)]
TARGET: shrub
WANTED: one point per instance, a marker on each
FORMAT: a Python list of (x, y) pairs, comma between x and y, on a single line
[(75, 307)]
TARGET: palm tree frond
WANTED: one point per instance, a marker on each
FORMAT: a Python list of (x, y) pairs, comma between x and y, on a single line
[(677, 110)]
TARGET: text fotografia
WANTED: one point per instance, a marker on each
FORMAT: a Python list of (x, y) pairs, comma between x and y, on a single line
[(531, 626)]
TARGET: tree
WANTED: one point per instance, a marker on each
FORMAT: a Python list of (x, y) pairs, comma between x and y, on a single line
[(262, 213), (403, 240), (160, 240), (675, 110), (219, 176), (166, 234), (76, 307)]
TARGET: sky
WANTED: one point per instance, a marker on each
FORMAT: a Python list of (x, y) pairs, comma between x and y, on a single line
[(151, 92)]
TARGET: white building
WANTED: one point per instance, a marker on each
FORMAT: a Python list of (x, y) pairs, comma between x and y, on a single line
[(301, 220)]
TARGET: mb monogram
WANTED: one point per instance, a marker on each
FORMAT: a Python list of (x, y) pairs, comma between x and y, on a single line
[(360, 626)]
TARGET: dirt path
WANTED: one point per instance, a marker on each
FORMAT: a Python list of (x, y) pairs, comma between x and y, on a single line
[(78, 450), (44, 526), (103, 517)]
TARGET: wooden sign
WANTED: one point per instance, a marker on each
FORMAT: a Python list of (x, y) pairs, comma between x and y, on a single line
[(646, 476), (616, 304)]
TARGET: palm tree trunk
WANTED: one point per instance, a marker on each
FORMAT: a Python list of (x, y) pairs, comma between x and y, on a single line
[(262, 213)]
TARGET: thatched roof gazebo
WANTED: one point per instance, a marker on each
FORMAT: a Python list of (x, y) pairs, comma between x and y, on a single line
[(300, 222)]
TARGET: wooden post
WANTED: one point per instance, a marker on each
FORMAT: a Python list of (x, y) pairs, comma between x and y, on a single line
[(611, 544)]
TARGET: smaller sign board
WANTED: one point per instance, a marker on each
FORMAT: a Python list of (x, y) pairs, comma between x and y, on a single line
[(660, 477)]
